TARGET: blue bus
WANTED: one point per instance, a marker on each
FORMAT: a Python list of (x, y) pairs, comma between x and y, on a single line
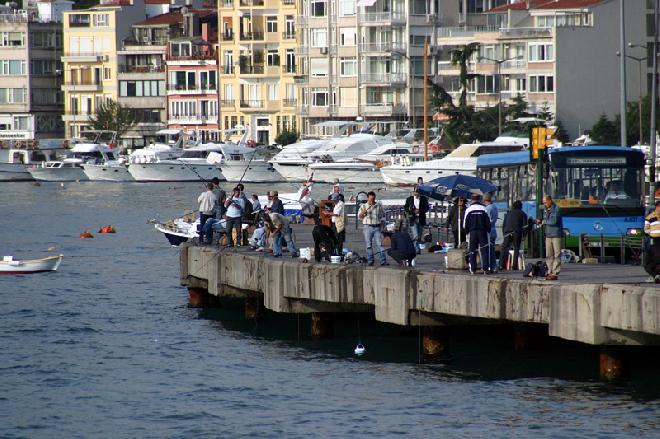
[(598, 189)]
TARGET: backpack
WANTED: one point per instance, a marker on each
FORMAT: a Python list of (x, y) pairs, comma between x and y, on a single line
[(538, 269)]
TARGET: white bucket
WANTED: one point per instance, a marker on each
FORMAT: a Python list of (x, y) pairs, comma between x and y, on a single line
[(306, 253), (335, 259)]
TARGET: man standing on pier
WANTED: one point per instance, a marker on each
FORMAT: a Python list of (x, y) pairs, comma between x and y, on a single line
[(492, 215), (371, 214), (235, 206), (207, 201), (477, 227), (552, 228), (416, 208)]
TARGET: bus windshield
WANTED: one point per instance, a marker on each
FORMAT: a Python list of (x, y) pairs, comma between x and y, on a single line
[(593, 185)]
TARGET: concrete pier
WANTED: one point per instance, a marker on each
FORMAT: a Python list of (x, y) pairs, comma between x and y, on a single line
[(598, 305)]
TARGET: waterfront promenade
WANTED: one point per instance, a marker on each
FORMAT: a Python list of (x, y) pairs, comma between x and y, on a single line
[(606, 305)]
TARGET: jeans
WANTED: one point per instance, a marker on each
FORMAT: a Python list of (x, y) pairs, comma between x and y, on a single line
[(552, 255), (511, 238), (234, 223), (203, 217), (207, 230), (416, 232), (479, 239), (374, 238), (277, 242)]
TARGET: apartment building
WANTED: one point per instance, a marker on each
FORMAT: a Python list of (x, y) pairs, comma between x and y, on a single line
[(30, 72), (94, 54), (192, 76), (559, 55), (258, 64)]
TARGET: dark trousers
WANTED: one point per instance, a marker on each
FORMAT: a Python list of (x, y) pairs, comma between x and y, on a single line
[(479, 239), (399, 256), (341, 237), (323, 249), (512, 238), (456, 237), (202, 220), (651, 266), (234, 223)]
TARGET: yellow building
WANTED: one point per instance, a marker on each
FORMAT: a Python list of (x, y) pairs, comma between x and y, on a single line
[(90, 61), (257, 41)]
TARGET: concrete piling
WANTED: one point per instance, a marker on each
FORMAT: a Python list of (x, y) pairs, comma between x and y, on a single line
[(612, 363), (198, 298), (253, 308), (435, 344), (322, 325)]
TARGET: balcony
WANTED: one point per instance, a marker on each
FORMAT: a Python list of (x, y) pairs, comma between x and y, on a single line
[(194, 119), (382, 109), (227, 4), (17, 17), (227, 70), (252, 36), (228, 36), (252, 104), (289, 102), (387, 79), (382, 18), (383, 47), (288, 2), (141, 69), (250, 3), (84, 57), (227, 103), (252, 70), (464, 31), (199, 56), (138, 44), (301, 79), (191, 89), (84, 85), (289, 35), (525, 32), (289, 70)]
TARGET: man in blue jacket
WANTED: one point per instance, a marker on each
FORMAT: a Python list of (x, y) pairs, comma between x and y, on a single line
[(552, 228), (477, 228)]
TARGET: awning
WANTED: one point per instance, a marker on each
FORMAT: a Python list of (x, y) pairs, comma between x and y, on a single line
[(366, 3)]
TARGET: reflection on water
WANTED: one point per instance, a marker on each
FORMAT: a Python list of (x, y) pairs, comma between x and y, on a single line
[(107, 347)]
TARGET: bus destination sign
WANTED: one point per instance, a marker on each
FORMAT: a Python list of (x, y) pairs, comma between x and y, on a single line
[(595, 161)]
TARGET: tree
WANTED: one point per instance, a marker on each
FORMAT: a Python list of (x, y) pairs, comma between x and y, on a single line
[(462, 57), (518, 108), (286, 137), (605, 132), (544, 112), (113, 117), (561, 134)]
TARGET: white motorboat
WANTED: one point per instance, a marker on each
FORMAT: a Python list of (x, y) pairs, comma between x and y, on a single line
[(241, 163), (291, 161), (192, 165), (463, 160), (111, 168), (143, 164), (9, 265), (15, 161), (350, 171)]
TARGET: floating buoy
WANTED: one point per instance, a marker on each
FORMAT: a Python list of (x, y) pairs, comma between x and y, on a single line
[(360, 349), (62, 184), (86, 234), (107, 229), (52, 248)]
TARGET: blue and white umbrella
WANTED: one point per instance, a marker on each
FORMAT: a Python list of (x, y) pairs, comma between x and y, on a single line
[(456, 186)]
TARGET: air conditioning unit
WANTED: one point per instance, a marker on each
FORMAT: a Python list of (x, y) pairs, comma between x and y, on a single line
[(324, 50)]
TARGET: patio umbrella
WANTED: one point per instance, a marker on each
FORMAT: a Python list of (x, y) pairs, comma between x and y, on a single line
[(456, 186)]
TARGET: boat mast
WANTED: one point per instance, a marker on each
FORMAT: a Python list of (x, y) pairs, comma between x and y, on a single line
[(426, 83)]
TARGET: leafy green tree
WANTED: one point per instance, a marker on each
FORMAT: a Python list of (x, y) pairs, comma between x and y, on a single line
[(561, 133), (544, 112), (286, 137), (518, 108), (114, 117), (605, 132)]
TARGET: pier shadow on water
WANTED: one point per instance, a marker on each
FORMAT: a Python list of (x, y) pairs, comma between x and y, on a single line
[(477, 352)]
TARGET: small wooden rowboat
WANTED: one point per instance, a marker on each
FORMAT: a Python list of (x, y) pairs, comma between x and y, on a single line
[(9, 265)]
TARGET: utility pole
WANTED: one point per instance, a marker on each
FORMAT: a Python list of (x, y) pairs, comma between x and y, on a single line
[(622, 68), (654, 98), (426, 99)]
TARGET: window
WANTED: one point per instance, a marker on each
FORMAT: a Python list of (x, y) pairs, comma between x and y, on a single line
[(22, 123), (12, 39), (107, 73), (272, 92), (12, 95), (207, 80), (541, 52), (46, 39), (319, 38), (419, 7), (319, 97), (183, 108), (290, 61), (229, 93), (541, 84), (348, 67), (273, 58), (151, 88), (79, 20), (487, 84), (271, 24), (101, 20), (319, 67), (234, 121), (44, 67), (46, 96), (347, 37), (12, 67), (347, 8), (181, 49), (319, 8)]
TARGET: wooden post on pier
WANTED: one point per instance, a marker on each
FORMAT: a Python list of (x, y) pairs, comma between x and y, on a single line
[(322, 325), (435, 344), (612, 363)]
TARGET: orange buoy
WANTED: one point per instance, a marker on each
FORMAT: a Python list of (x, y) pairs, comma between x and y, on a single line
[(86, 234), (107, 229)]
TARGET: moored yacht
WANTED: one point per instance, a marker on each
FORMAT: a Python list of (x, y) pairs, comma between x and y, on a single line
[(241, 163), (110, 169), (168, 147), (291, 162), (15, 161)]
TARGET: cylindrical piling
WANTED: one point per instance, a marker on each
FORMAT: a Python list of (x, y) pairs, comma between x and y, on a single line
[(198, 298), (322, 325), (253, 308), (435, 344), (612, 363)]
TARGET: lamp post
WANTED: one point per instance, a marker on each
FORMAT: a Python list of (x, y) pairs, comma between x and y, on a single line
[(499, 87), (639, 67)]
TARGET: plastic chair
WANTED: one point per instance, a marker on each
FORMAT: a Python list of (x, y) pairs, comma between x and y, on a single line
[(521, 260)]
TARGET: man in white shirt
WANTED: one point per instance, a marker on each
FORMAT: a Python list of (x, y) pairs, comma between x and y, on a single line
[(339, 223), (207, 201), (371, 214), (235, 206)]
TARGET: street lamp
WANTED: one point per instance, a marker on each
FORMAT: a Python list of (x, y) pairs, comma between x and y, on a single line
[(499, 88)]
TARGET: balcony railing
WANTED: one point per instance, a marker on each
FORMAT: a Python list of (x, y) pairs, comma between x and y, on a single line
[(252, 70), (74, 54), (383, 78), (227, 70), (251, 2), (301, 79), (382, 47), (525, 32), (227, 36), (225, 103), (288, 2), (192, 88), (382, 17), (289, 35), (288, 102), (382, 108), (252, 103), (199, 56), (141, 69), (227, 4), (289, 69), (464, 31), (82, 82), (193, 118), (132, 41), (252, 36), (18, 17)]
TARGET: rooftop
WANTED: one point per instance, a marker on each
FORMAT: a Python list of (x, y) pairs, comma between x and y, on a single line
[(174, 17)]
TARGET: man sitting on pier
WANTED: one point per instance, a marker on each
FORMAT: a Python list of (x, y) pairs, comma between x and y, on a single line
[(325, 240), (402, 249)]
